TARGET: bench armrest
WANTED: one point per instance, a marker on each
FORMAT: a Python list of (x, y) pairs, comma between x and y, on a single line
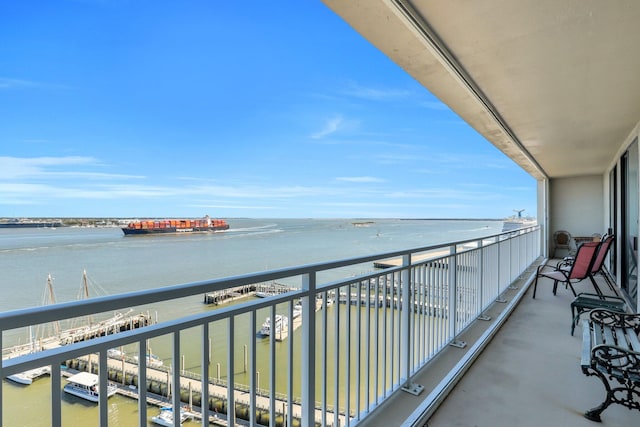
[(616, 360), (586, 344), (601, 297), (614, 319)]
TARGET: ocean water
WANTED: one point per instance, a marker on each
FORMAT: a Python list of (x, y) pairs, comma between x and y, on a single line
[(117, 264)]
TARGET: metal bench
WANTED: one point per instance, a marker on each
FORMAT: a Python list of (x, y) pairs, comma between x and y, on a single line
[(611, 351), (586, 302)]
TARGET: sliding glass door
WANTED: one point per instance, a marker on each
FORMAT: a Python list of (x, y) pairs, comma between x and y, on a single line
[(629, 237), (612, 265)]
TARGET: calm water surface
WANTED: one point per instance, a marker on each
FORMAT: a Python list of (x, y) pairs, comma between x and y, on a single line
[(117, 264)]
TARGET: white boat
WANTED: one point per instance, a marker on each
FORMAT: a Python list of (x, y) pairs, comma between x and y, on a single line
[(261, 294), (85, 386), (281, 325), (297, 311), (114, 353), (153, 361), (165, 417), (27, 377)]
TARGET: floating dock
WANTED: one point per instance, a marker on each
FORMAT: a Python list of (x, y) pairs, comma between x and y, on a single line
[(123, 372), (229, 295), (261, 290), (119, 323)]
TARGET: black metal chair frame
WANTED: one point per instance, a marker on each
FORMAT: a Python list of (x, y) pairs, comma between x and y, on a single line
[(573, 273)]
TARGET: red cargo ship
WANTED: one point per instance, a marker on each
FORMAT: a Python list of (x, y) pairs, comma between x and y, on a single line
[(202, 225)]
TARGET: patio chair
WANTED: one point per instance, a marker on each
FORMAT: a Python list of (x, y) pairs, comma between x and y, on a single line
[(598, 264), (564, 242), (579, 270)]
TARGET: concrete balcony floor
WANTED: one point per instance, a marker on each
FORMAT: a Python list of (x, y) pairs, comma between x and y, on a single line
[(529, 375)]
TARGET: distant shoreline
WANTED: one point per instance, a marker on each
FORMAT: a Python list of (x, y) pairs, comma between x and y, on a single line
[(118, 221)]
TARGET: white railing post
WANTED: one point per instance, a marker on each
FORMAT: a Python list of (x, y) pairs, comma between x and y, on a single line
[(231, 382), (56, 383), (482, 272), (175, 381), (453, 297), (308, 361), (103, 378), (499, 281), (142, 382), (204, 384), (2, 379), (406, 349)]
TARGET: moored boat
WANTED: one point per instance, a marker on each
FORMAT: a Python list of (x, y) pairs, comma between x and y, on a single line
[(165, 417), (27, 377), (297, 310), (281, 325), (153, 361), (85, 385), (175, 226)]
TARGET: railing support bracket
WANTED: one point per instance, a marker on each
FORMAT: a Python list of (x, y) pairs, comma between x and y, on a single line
[(459, 344), (412, 388), (484, 317)]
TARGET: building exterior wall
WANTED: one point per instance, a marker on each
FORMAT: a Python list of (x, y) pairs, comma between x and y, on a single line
[(578, 206)]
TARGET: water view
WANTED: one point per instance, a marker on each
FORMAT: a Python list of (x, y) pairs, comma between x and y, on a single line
[(116, 264)]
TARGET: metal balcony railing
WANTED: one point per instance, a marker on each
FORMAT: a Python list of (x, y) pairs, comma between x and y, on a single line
[(348, 344)]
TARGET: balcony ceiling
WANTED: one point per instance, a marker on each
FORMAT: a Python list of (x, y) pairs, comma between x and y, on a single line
[(553, 84)]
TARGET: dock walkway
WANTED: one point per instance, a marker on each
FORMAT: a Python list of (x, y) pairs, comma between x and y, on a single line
[(191, 382), (260, 290)]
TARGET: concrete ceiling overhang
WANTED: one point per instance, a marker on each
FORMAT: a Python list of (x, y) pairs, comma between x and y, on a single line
[(554, 84)]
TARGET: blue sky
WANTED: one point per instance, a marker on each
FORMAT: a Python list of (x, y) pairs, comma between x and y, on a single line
[(137, 108)]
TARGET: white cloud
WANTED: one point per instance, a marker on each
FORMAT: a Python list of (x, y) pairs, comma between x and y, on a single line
[(361, 179), (369, 93), (6, 83), (330, 127), (17, 168)]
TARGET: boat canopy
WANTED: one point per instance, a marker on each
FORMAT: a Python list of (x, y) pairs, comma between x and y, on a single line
[(84, 378)]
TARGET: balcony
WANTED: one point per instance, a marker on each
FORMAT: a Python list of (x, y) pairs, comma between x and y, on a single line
[(529, 375), (362, 348)]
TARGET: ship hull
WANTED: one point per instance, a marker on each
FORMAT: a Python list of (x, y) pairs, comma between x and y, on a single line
[(171, 230), (30, 224)]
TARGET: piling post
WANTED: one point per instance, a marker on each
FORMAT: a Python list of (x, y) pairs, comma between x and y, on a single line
[(245, 359)]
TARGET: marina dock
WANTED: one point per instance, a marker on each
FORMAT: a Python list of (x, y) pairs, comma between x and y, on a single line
[(120, 322), (397, 262), (260, 290), (123, 372)]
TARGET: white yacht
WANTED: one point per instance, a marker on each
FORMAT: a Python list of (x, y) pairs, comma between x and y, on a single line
[(85, 386), (297, 310), (153, 361), (165, 417), (281, 325), (27, 377)]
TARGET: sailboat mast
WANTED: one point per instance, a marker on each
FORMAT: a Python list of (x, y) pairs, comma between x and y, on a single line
[(52, 300), (85, 286)]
